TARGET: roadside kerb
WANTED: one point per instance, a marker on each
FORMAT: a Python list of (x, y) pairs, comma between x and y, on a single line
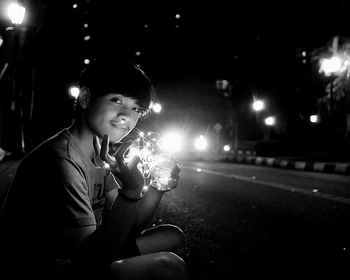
[(340, 168)]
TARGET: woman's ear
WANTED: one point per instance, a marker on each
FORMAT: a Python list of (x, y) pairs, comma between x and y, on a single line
[(84, 97)]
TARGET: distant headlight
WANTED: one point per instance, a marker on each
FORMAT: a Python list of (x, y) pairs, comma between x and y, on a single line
[(171, 142), (201, 143), (227, 148)]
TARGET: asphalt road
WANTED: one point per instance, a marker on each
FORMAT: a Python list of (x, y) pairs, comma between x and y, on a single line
[(252, 222)]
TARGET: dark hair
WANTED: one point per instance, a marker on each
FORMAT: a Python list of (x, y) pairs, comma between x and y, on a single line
[(113, 75)]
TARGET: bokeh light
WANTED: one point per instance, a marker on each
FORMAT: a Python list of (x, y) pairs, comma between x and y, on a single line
[(201, 143), (171, 142)]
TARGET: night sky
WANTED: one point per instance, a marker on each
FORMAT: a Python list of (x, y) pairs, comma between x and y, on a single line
[(256, 45)]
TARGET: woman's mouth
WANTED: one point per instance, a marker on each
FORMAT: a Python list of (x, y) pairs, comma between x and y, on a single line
[(120, 125)]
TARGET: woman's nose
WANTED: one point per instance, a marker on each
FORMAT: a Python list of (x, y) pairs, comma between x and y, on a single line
[(124, 118)]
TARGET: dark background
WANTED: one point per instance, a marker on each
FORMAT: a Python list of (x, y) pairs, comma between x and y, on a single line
[(256, 45)]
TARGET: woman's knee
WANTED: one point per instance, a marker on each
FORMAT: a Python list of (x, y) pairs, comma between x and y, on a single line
[(170, 266), (178, 238), (156, 266)]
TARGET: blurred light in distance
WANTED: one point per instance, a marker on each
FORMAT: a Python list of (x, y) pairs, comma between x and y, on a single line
[(270, 121), (1, 41), (201, 143), (86, 25), (138, 53), (222, 84), (314, 118), (74, 91), (156, 107), (258, 105), (87, 38), (331, 65), (177, 16), (75, 6), (171, 142), (86, 61), (227, 148), (16, 13)]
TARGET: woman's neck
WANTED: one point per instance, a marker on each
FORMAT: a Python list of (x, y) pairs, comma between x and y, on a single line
[(83, 136)]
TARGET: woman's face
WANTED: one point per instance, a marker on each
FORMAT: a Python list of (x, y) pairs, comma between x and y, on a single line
[(112, 114)]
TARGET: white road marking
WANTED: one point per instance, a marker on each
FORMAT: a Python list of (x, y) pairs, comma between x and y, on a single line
[(285, 187)]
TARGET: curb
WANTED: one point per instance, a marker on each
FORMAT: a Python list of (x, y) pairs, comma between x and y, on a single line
[(326, 167)]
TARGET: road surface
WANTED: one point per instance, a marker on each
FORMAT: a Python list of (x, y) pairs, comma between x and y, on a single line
[(251, 222)]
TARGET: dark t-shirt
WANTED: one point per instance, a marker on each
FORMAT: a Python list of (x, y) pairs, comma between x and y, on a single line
[(55, 187)]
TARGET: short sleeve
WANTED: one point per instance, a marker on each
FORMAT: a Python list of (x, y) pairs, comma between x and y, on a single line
[(72, 187)]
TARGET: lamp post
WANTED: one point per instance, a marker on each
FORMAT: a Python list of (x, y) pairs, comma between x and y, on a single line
[(331, 67), (225, 87), (258, 105), (16, 14), (270, 122)]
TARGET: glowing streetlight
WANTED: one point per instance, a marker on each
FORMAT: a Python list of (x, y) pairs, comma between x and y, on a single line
[(270, 121), (332, 65), (201, 143), (314, 118), (335, 65), (16, 13), (157, 107), (227, 148), (74, 91), (171, 142), (258, 105)]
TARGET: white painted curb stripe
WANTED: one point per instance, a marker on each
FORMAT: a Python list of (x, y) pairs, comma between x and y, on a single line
[(274, 185)]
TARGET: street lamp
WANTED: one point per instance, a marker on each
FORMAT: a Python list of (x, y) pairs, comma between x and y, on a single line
[(225, 87), (258, 105), (16, 14), (334, 65), (157, 107), (74, 91), (314, 118), (201, 143), (270, 121)]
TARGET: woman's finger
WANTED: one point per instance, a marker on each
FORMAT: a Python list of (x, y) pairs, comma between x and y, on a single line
[(104, 151), (97, 145), (119, 155), (133, 162), (104, 148), (177, 169)]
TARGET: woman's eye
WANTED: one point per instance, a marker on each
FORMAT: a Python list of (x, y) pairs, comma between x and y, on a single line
[(116, 100), (139, 110)]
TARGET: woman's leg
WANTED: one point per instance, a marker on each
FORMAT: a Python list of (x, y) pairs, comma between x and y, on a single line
[(162, 266), (168, 238)]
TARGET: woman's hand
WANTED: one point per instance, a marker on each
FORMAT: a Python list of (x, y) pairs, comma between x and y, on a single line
[(166, 173), (129, 174)]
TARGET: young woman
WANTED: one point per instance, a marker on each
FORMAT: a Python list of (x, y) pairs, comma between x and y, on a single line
[(67, 217)]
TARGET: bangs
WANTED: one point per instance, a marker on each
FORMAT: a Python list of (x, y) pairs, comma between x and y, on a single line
[(116, 76)]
